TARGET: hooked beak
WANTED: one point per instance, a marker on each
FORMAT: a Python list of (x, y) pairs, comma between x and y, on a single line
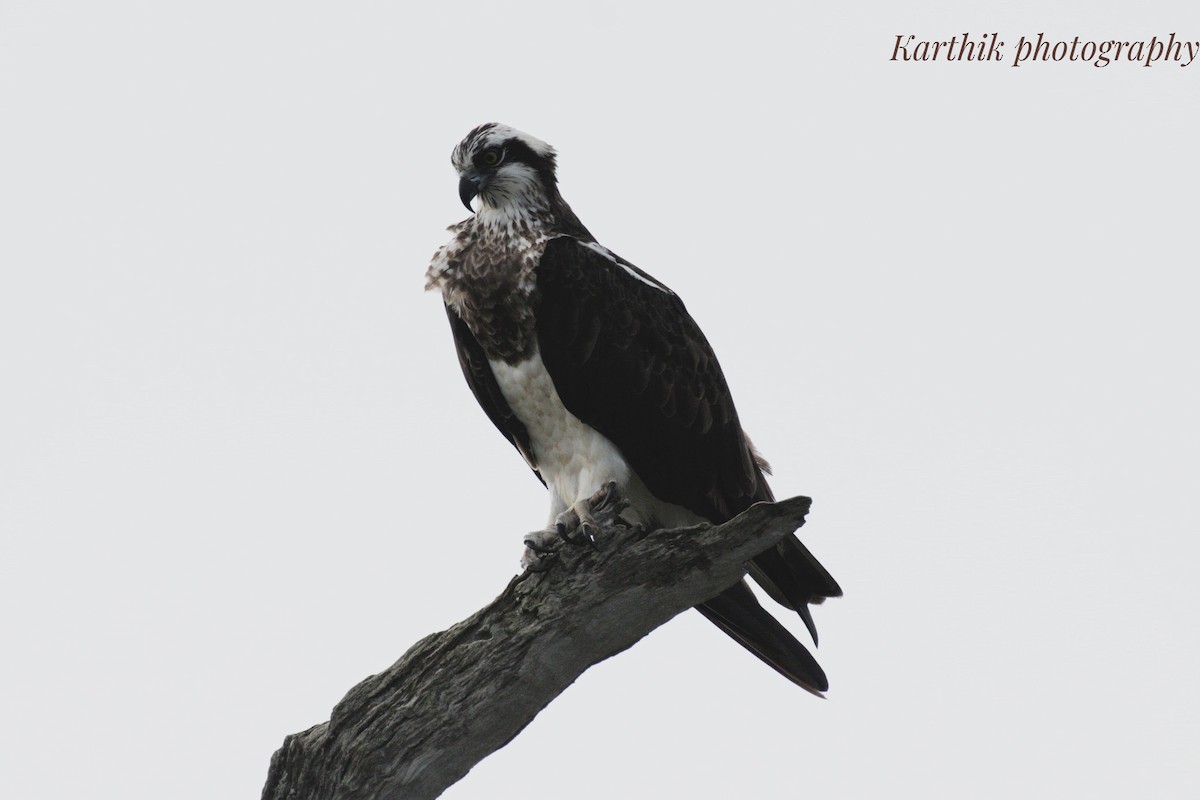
[(470, 185)]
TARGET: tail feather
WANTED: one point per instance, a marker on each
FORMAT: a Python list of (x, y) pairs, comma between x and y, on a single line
[(794, 579), (812, 576), (788, 572), (737, 612)]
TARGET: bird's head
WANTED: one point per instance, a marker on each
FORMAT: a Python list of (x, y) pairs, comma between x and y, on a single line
[(505, 168)]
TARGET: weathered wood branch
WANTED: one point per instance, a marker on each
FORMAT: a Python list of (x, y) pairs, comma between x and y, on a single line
[(456, 696)]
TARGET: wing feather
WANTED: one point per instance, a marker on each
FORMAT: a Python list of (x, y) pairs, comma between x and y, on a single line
[(482, 381), (628, 360)]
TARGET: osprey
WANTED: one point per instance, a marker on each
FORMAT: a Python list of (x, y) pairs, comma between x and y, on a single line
[(596, 373)]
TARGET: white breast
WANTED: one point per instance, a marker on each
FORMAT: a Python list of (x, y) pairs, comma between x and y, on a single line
[(573, 459)]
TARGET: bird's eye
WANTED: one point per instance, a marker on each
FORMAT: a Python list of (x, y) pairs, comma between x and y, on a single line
[(490, 157)]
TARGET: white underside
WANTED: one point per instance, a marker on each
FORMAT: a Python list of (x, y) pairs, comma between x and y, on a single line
[(572, 457)]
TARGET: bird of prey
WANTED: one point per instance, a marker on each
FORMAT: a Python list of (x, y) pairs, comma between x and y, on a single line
[(596, 373)]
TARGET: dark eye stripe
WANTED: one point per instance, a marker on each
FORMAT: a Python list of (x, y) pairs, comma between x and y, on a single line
[(515, 151)]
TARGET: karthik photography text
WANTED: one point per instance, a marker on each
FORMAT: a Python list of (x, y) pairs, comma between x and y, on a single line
[(1030, 50)]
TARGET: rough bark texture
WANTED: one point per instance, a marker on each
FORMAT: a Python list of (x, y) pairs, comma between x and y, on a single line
[(456, 696)]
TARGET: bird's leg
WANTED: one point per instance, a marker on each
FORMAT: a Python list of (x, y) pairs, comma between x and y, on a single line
[(582, 516), (539, 549), (586, 516), (577, 518)]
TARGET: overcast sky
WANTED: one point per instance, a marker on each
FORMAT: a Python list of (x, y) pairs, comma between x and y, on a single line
[(240, 469)]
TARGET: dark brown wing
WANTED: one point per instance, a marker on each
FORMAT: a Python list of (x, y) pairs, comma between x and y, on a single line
[(628, 360), (483, 384)]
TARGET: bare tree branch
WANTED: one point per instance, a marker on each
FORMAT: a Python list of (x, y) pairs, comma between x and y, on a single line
[(457, 696)]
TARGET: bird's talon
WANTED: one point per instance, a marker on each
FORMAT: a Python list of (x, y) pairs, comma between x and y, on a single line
[(608, 491), (537, 548), (540, 548)]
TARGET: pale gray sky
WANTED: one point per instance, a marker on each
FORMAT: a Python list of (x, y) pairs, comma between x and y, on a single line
[(240, 469)]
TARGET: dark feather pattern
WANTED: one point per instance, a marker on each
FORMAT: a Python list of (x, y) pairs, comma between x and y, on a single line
[(482, 381), (628, 360)]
